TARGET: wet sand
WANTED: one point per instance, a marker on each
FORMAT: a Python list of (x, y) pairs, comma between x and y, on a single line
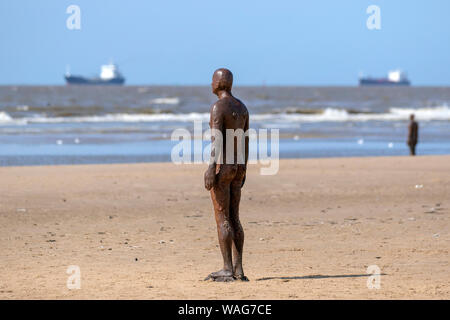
[(146, 231)]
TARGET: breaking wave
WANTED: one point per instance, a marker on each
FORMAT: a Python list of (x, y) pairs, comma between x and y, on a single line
[(341, 115), (327, 115), (4, 117)]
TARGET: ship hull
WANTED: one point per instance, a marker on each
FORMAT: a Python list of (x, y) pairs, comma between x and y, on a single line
[(77, 80), (383, 82)]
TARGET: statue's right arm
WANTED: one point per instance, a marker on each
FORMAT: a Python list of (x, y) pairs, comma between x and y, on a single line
[(247, 141)]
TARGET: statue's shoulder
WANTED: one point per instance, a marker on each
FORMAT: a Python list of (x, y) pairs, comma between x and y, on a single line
[(218, 107), (221, 104)]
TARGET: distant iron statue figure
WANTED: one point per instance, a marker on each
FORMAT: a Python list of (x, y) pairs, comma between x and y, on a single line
[(225, 178), (413, 135)]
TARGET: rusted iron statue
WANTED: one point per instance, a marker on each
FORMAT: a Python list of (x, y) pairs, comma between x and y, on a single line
[(413, 135), (226, 174)]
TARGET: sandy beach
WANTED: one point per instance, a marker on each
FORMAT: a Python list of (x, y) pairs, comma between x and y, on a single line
[(147, 231)]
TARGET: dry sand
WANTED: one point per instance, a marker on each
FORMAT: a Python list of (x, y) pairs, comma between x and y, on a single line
[(146, 231)]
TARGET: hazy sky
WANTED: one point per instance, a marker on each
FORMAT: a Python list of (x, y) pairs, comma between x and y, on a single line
[(320, 42)]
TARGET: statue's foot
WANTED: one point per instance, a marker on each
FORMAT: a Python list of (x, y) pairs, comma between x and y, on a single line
[(241, 277), (221, 276)]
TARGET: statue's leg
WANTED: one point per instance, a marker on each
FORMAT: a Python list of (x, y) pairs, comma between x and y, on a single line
[(220, 195), (412, 149), (238, 231)]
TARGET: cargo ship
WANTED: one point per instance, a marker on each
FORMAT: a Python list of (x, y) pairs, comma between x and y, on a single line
[(394, 78), (109, 75)]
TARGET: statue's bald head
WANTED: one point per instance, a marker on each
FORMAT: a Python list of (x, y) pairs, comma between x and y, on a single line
[(222, 80)]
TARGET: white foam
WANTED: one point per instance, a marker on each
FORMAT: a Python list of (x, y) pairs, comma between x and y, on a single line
[(273, 120), (436, 113), (174, 100), (22, 108), (341, 115), (4, 117)]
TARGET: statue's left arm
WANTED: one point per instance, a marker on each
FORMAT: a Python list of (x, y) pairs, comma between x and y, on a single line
[(216, 125)]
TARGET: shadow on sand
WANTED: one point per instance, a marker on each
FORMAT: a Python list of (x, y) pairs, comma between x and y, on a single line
[(317, 276)]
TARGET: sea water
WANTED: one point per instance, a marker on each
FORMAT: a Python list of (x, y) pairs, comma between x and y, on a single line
[(113, 124)]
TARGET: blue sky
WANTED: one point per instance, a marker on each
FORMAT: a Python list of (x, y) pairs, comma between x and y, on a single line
[(321, 42)]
